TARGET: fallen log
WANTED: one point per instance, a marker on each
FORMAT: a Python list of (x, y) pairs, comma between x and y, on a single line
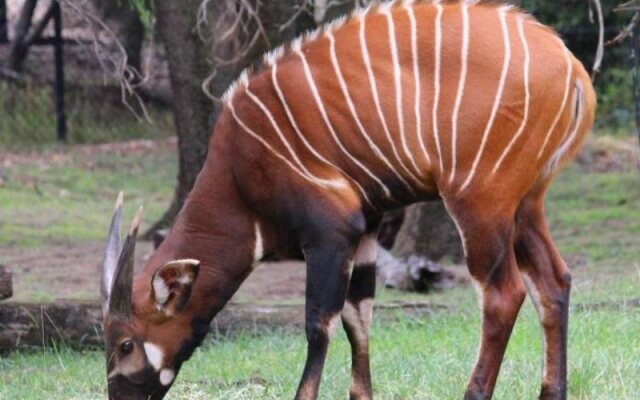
[(78, 325), (415, 273), (6, 284)]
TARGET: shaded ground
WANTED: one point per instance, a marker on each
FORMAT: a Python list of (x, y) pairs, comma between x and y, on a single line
[(70, 272), (55, 206), (61, 269)]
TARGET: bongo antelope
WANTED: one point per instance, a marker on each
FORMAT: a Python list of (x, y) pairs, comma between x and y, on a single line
[(473, 103)]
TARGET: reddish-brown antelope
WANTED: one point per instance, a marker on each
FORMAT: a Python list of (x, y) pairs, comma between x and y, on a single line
[(473, 103)]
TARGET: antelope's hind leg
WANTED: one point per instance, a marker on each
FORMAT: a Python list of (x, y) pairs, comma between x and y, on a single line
[(358, 313), (329, 250), (488, 239), (548, 281)]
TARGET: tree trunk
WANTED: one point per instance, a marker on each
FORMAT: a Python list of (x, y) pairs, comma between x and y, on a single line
[(6, 286), (18, 50), (128, 28), (188, 55), (4, 29)]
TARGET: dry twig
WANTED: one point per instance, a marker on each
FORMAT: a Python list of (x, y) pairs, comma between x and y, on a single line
[(113, 64)]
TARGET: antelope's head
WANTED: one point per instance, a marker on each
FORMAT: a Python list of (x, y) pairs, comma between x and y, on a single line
[(148, 331)]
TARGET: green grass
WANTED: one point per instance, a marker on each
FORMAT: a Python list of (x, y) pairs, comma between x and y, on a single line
[(594, 218), (411, 358), (44, 204), (27, 117)]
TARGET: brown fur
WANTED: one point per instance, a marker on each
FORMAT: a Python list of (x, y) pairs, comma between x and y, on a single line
[(499, 215)]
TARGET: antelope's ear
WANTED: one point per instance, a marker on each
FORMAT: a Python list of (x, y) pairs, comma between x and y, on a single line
[(171, 285)]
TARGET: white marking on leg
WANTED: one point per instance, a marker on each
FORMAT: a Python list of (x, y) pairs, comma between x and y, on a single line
[(416, 77), (258, 248), (327, 121), (155, 355), (376, 100), (496, 104), (565, 97), (367, 251), (397, 74), (436, 74), (167, 376), (335, 183), (536, 299), (359, 316), (480, 292), (332, 325), (527, 97), (463, 77), (458, 227), (354, 114), (296, 128)]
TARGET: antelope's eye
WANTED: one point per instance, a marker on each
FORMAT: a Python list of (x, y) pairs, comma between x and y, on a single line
[(126, 347)]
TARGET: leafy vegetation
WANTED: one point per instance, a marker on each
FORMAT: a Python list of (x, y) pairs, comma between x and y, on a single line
[(27, 117), (594, 217), (46, 202)]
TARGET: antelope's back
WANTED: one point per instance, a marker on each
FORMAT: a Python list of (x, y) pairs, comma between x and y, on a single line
[(411, 98)]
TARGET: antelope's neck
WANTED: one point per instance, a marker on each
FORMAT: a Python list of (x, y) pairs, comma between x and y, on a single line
[(214, 227)]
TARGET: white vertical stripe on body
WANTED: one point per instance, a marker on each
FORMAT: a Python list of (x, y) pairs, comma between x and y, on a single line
[(436, 74), (577, 114), (376, 98), (397, 75), (280, 134), (416, 79), (324, 183), (296, 128), (527, 97), (354, 113), (503, 77), (464, 58), (565, 97), (327, 121)]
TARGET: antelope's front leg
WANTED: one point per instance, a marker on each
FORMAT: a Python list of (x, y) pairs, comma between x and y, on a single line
[(357, 315), (329, 266)]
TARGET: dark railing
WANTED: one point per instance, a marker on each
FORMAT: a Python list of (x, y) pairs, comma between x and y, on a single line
[(57, 42), (4, 30)]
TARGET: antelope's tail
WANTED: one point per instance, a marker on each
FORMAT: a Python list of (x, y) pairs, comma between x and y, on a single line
[(584, 105)]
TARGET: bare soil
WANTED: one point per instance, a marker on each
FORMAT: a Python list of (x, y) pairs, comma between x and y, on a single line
[(63, 271), (69, 271)]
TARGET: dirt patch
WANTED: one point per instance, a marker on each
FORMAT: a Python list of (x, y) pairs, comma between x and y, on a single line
[(84, 155), (68, 271)]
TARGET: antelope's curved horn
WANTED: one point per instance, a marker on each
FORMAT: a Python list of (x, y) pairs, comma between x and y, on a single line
[(120, 300), (111, 254)]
